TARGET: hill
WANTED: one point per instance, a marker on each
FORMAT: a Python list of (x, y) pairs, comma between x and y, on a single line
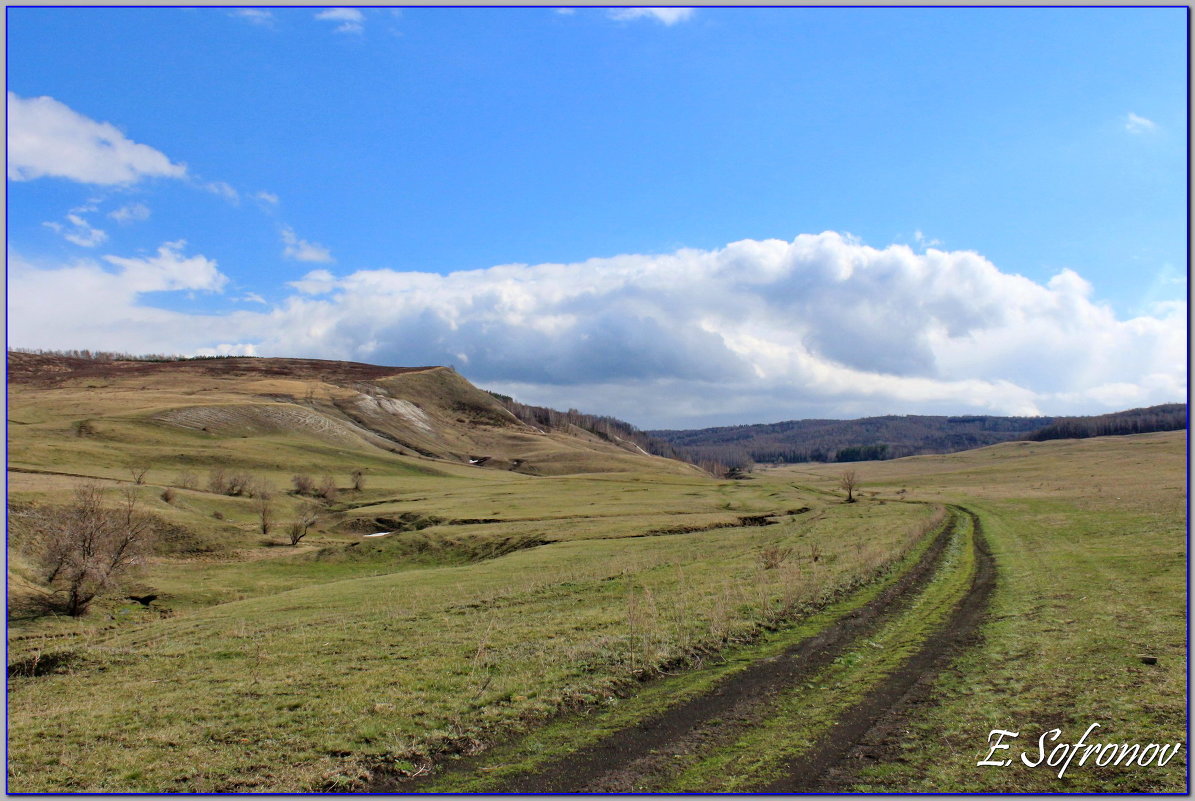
[(1165, 417), (888, 437), (73, 409), (893, 437)]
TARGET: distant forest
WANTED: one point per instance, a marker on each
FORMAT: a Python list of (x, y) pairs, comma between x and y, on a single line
[(892, 436), (1166, 417)]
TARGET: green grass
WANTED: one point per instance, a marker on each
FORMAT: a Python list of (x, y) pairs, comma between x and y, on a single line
[(1090, 546), (295, 669), (329, 678)]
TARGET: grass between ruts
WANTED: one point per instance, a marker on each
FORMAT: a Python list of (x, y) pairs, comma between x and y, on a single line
[(801, 715)]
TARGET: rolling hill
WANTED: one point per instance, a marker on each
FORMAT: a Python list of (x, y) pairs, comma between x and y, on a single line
[(72, 410)]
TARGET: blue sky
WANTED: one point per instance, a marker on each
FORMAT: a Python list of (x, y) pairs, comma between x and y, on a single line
[(300, 168)]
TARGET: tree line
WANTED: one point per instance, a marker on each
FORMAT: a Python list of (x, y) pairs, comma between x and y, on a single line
[(1164, 417)]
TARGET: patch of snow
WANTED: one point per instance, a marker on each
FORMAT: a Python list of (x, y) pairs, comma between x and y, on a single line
[(379, 534)]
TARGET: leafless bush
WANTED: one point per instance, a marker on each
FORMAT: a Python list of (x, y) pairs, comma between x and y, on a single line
[(86, 547), (259, 488), (308, 516), (217, 480), (187, 480), (168, 495), (304, 484), (358, 477), (265, 514), (848, 481), (328, 490), (238, 484), (772, 556), (138, 474)]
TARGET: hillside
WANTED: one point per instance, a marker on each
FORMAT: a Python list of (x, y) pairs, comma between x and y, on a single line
[(1165, 417), (888, 437), (73, 410)]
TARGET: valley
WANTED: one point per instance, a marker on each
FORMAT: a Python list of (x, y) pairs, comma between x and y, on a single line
[(482, 604)]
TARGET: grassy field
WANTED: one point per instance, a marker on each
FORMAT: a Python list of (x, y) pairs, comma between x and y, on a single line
[(518, 614), (1089, 537)]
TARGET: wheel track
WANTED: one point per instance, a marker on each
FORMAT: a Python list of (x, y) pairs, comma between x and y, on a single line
[(835, 762), (629, 757)]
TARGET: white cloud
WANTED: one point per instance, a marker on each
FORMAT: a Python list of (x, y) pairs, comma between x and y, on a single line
[(666, 15), (301, 249), (1139, 125), (130, 213), (351, 20), (755, 331), (223, 190), (252, 297), (256, 16), (63, 305), (567, 12), (316, 282), (47, 138), (167, 271), (80, 231), (268, 198), (925, 242)]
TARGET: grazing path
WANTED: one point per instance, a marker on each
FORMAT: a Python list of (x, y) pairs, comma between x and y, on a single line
[(642, 756)]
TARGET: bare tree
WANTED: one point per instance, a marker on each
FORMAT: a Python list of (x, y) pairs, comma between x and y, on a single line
[(304, 484), (265, 513), (358, 477), (308, 516), (848, 481), (87, 547), (138, 474), (187, 480)]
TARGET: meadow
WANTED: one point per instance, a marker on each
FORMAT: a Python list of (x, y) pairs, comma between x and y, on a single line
[(508, 622)]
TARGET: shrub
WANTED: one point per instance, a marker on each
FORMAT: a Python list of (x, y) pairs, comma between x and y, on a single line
[(87, 547), (304, 484)]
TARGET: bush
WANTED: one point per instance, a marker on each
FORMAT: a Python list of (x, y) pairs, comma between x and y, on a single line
[(304, 484), (86, 548)]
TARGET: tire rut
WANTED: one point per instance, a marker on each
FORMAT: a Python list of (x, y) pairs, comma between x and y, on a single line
[(863, 735), (628, 758)]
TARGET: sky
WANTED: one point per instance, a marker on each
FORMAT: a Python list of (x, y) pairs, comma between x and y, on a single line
[(681, 217)]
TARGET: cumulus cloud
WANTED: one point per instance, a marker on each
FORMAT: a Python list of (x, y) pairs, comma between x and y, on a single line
[(48, 138), (61, 305), (666, 15), (130, 213), (823, 325), (301, 249), (351, 20), (1139, 125)]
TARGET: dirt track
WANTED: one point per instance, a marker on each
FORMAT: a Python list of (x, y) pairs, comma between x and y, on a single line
[(868, 733), (641, 757)]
